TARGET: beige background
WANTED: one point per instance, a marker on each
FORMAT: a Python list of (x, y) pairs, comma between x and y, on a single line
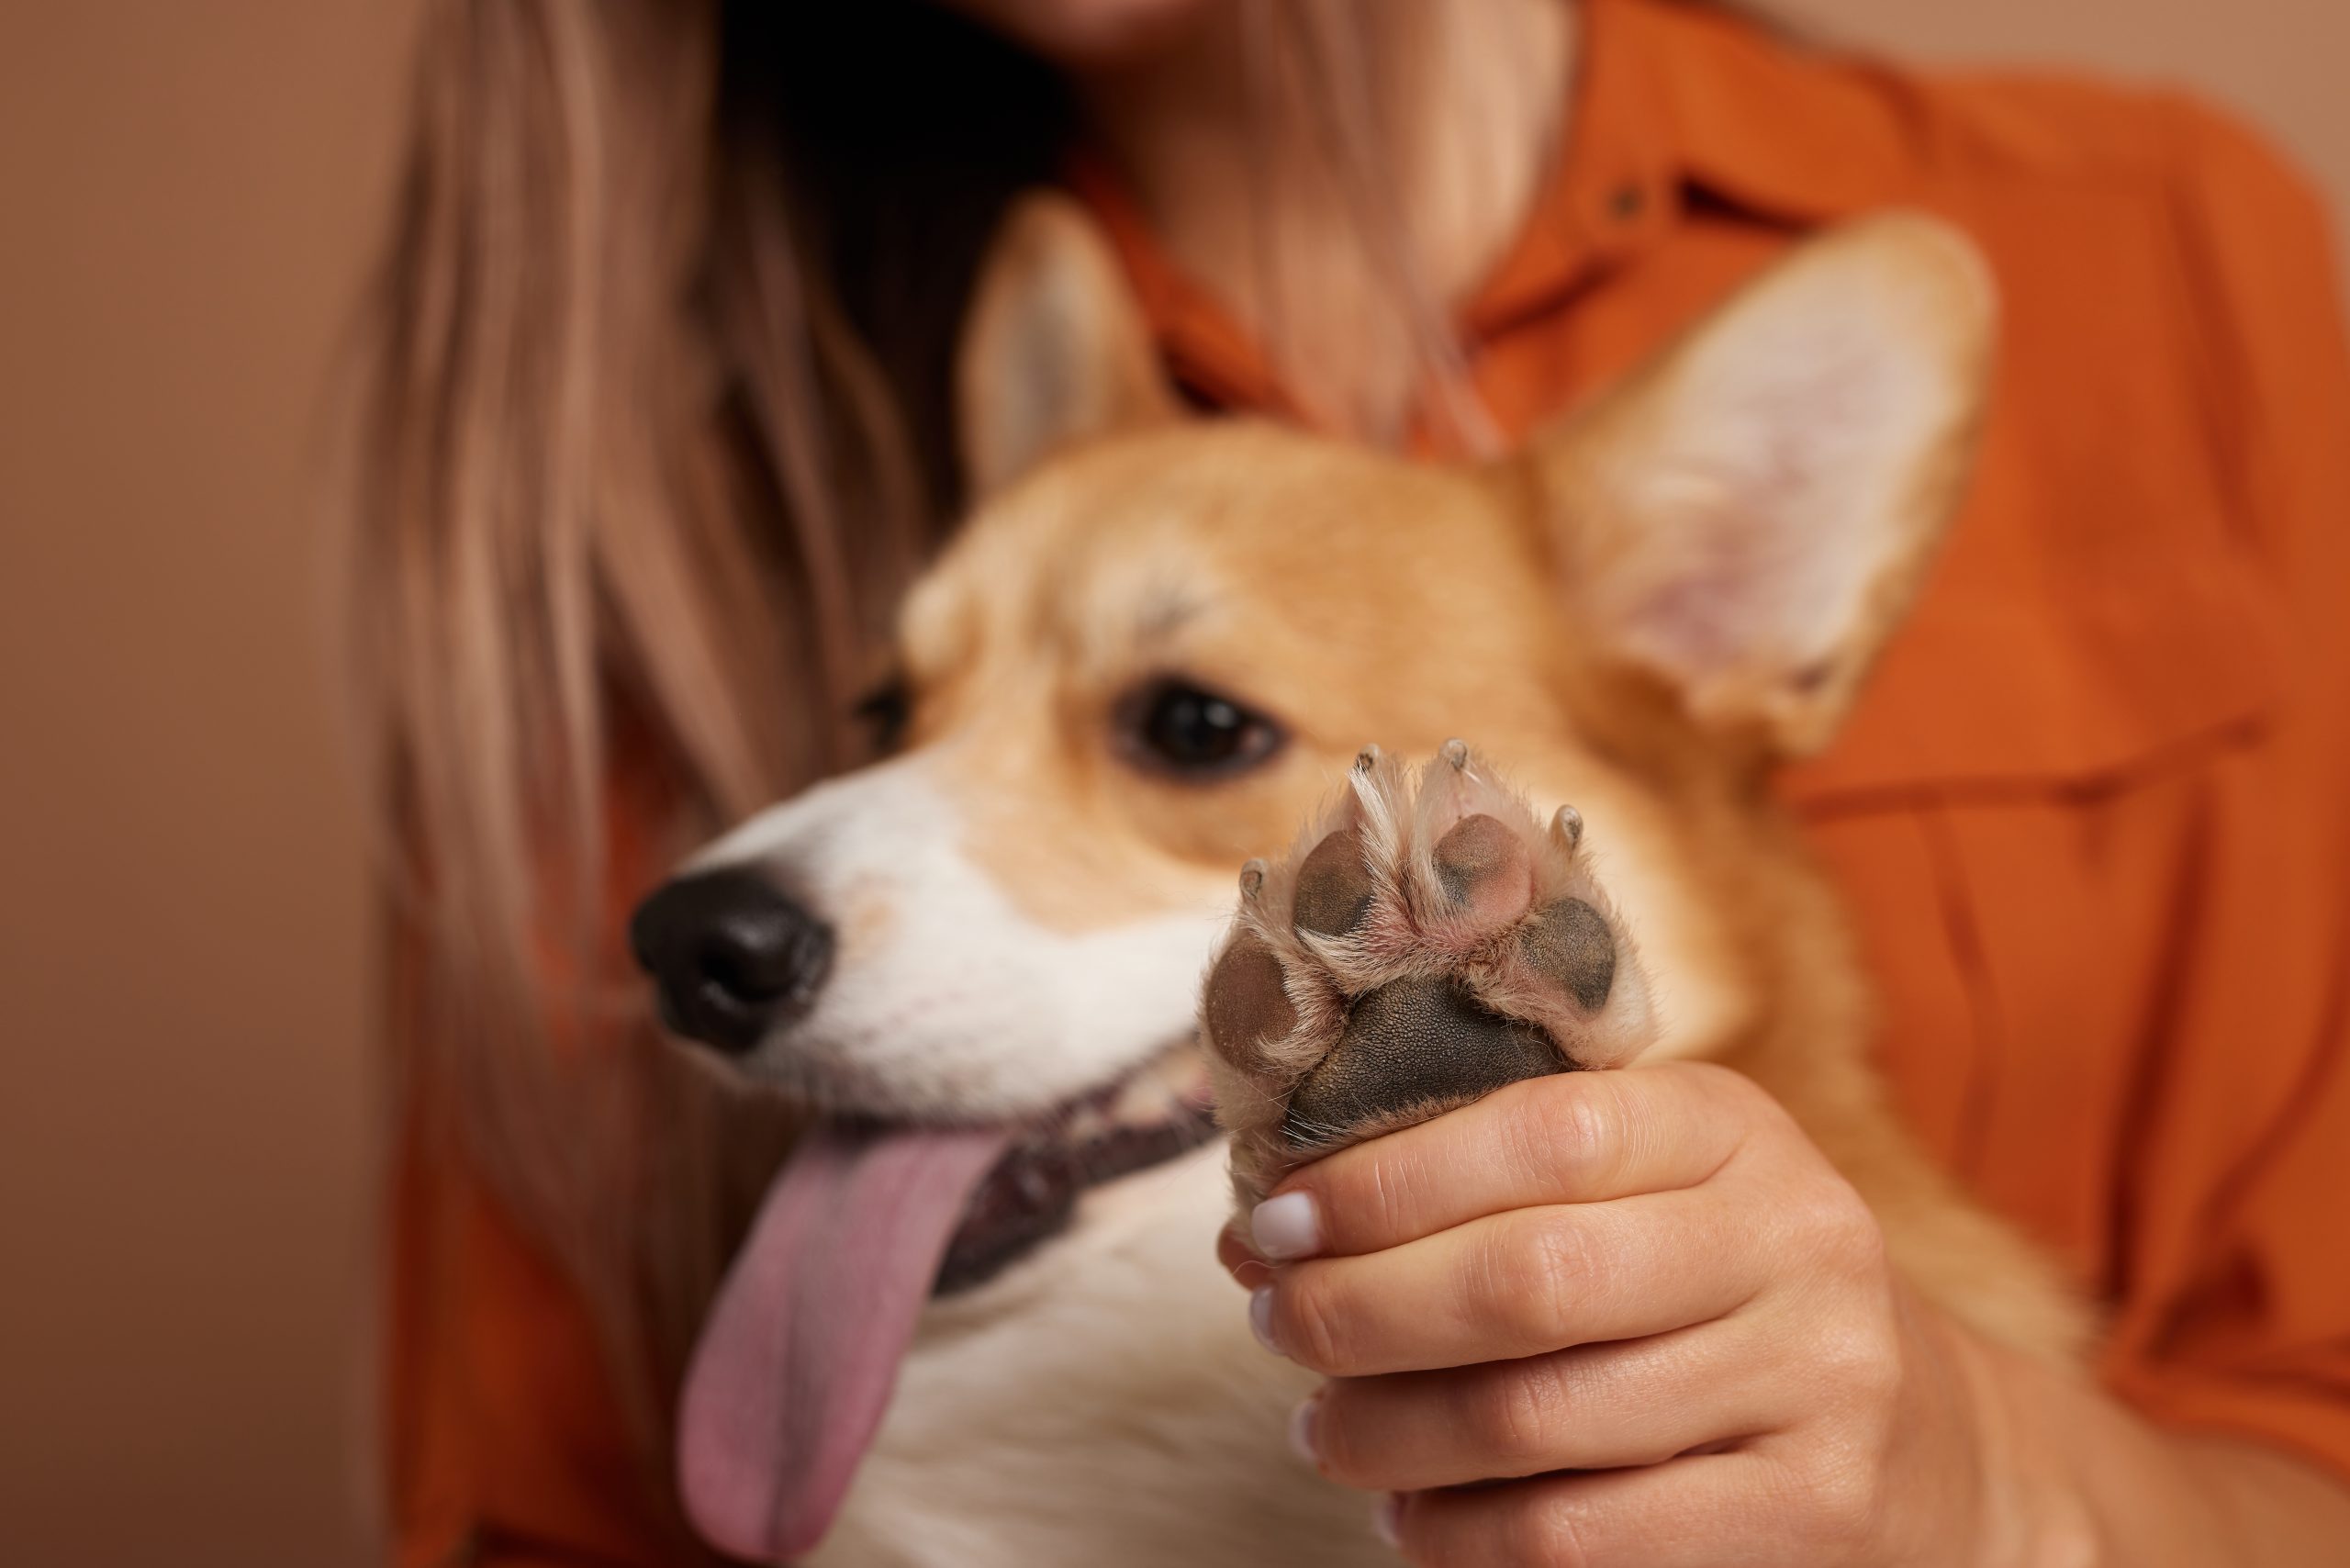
[(188, 190)]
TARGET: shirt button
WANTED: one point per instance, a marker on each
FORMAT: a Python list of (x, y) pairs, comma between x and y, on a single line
[(1628, 202)]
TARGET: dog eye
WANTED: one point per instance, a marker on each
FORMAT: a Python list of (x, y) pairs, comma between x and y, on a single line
[(1180, 728), (885, 711)]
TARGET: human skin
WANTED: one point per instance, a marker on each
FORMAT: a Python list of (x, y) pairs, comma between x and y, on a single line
[(1652, 1279), (1080, 35), (1466, 100), (1480, 1295)]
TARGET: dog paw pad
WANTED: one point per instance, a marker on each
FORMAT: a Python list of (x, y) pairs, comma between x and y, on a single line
[(1428, 941), (1410, 1048), (1569, 943), (1245, 1000), (1483, 869), (1334, 887)]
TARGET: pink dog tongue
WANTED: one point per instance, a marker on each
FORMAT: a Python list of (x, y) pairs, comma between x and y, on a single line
[(797, 1361)]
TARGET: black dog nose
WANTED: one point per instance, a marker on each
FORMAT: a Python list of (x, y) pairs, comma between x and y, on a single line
[(730, 954)]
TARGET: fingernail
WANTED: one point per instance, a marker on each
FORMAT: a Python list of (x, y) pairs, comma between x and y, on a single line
[(1386, 1521), (1261, 1317), (1286, 1228), (1301, 1429)]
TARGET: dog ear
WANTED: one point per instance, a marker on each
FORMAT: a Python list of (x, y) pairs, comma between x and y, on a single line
[(1055, 348), (1750, 516)]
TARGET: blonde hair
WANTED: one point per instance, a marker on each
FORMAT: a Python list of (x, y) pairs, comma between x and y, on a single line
[(655, 434)]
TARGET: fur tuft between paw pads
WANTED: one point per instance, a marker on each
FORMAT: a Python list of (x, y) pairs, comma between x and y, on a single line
[(1427, 940)]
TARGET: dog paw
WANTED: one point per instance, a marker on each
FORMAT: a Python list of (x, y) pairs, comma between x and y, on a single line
[(1426, 941)]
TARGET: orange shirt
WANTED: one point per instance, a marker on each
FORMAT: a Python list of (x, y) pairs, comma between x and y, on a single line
[(2093, 812)]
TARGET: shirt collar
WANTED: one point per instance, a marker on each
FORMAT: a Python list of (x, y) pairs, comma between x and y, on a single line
[(1672, 99), (1764, 120), (1675, 100), (1205, 347)]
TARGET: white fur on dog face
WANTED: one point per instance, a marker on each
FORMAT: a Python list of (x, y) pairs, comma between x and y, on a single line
[(945, 1000)]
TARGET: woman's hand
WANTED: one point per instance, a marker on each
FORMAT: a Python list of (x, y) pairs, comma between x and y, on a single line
[(1645, 1305), (1659, 1328)]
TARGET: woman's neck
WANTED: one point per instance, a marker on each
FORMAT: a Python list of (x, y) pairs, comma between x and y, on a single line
[(1324, 169)]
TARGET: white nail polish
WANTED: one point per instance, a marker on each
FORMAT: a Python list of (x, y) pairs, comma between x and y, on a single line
[(1261, 1317), (1286, 1228), (1301, 1429), (1386, 1519)]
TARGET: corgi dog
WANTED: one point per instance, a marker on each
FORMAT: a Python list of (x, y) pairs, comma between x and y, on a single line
[(978, 1320)]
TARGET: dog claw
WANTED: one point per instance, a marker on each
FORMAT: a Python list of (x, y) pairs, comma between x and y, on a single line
[(1568, 826), (1455, 754), (1367, 758), (1252, 878)]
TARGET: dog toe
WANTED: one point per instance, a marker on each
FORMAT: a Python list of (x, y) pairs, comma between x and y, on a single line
[(1334, 887), (1246, 1003), (1484, 870), (1570, 945)]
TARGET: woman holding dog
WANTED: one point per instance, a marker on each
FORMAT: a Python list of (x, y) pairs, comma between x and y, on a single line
[(661, 432)]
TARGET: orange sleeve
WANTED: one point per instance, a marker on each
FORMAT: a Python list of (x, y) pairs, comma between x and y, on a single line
[(508, 1444), (507, 1441), (2236, 1313)]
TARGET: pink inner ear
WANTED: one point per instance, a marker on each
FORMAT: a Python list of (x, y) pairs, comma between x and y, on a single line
[(1714, 597), (1689, 623), (1760, 501)]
